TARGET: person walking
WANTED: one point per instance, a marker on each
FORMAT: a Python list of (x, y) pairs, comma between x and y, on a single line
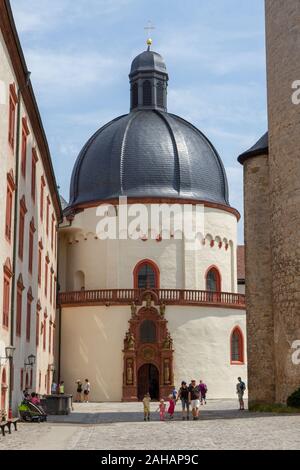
[(78, 391), (86, 390), (162, 409), (171, 408), (146, 403), (194, 399), (53, 388), (183, 395), (203, 392), (240, 390)]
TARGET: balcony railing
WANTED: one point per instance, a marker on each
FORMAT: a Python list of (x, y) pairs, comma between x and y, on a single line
[(158, 296)]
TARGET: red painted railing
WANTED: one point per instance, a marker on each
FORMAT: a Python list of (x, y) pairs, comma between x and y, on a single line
[(159, 296)]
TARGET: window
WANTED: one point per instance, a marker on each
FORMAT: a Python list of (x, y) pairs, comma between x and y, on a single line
[(9, 202), (47, 261), (44, 332), (52, 230), (147, 93), (37, 324), (47, 215), (147, 332), (33, 173), (146, 275), (40, 263), (134, 96), (43, 184), (23, 211), (13, 99), (213, 280), (28, 317), (25, 133), (160, 94), (237, 346), (50, 331), (31, 239), (20, 288), (7, 275)]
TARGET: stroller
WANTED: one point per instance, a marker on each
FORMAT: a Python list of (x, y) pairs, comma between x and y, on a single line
[(32, 413)]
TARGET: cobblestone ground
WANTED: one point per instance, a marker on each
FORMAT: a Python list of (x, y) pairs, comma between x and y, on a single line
[(113, 426)]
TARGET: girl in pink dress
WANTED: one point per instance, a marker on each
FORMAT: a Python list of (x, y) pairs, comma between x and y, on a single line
[(162, 409), (171, 408)]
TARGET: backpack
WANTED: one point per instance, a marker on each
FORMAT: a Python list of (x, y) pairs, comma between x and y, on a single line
[(242, 386)]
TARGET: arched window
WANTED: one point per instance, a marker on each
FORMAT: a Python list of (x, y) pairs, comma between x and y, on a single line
[(213, 280), (160, 94), (146, 275), (147, 93), (237, 346), (134, 96), (147, 332)]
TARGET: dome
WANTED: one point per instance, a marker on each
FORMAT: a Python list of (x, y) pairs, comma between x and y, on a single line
[(148, 153), (148, 61)]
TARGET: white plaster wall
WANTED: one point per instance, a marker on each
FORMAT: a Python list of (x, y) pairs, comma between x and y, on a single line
[(92, 343), (110, 263), (7, 157)]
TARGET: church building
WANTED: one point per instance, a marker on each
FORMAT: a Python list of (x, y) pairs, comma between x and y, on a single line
[(139, 315)]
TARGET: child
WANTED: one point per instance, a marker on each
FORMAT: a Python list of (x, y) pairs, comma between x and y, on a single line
[(146, 402), (162, 409), (171, 408)]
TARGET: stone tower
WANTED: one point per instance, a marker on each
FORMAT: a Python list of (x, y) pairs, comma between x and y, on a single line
[(272, 218)]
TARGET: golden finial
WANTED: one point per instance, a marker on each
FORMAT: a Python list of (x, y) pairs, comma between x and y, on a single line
[(149, 41)]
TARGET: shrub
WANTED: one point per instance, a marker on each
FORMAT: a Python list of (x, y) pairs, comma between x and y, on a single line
[(294, 399)]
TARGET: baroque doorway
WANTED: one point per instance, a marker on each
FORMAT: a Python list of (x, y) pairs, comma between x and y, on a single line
[(148, 381), (148, 352)]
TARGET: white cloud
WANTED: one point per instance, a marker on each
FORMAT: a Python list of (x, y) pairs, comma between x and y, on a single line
[(45, 15), (72, 70)]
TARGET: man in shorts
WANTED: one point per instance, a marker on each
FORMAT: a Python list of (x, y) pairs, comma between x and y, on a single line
[(194, 399)]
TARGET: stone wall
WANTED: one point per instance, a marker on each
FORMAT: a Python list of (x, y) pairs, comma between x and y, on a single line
[(260, 326), (283, 46)]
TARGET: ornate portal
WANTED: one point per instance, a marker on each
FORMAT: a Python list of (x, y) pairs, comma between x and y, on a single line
[(148, 353)]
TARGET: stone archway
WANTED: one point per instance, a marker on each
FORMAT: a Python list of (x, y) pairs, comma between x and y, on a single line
[(148, 346), (148, 381)]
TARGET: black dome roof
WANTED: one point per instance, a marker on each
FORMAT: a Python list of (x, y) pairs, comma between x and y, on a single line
[(148, 60), (148, 153)]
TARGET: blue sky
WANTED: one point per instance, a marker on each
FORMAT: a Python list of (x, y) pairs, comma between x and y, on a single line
[(79, 53)]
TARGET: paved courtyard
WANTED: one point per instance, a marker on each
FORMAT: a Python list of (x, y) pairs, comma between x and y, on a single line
[(113, 426)]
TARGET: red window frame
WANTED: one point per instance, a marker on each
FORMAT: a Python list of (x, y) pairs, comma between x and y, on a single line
[(37, 324), (45, 332), (25, 133), (43, 184), (47, 215), (7, 275), (28, 317), (241, 360), (40, 263), (23, 211), (50, 335), (52, 230), (139, 266), (13, 100), (30, 248), (20, 288), (9, 203), (218, 278), (47, 261), (33, 173)]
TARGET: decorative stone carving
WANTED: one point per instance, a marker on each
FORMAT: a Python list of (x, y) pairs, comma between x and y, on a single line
[(129, 341), (162, 310), (168, 342), (129, 372), (133, 310), (166, 371)]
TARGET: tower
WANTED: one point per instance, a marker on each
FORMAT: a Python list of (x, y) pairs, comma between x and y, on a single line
[(272, 219)]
